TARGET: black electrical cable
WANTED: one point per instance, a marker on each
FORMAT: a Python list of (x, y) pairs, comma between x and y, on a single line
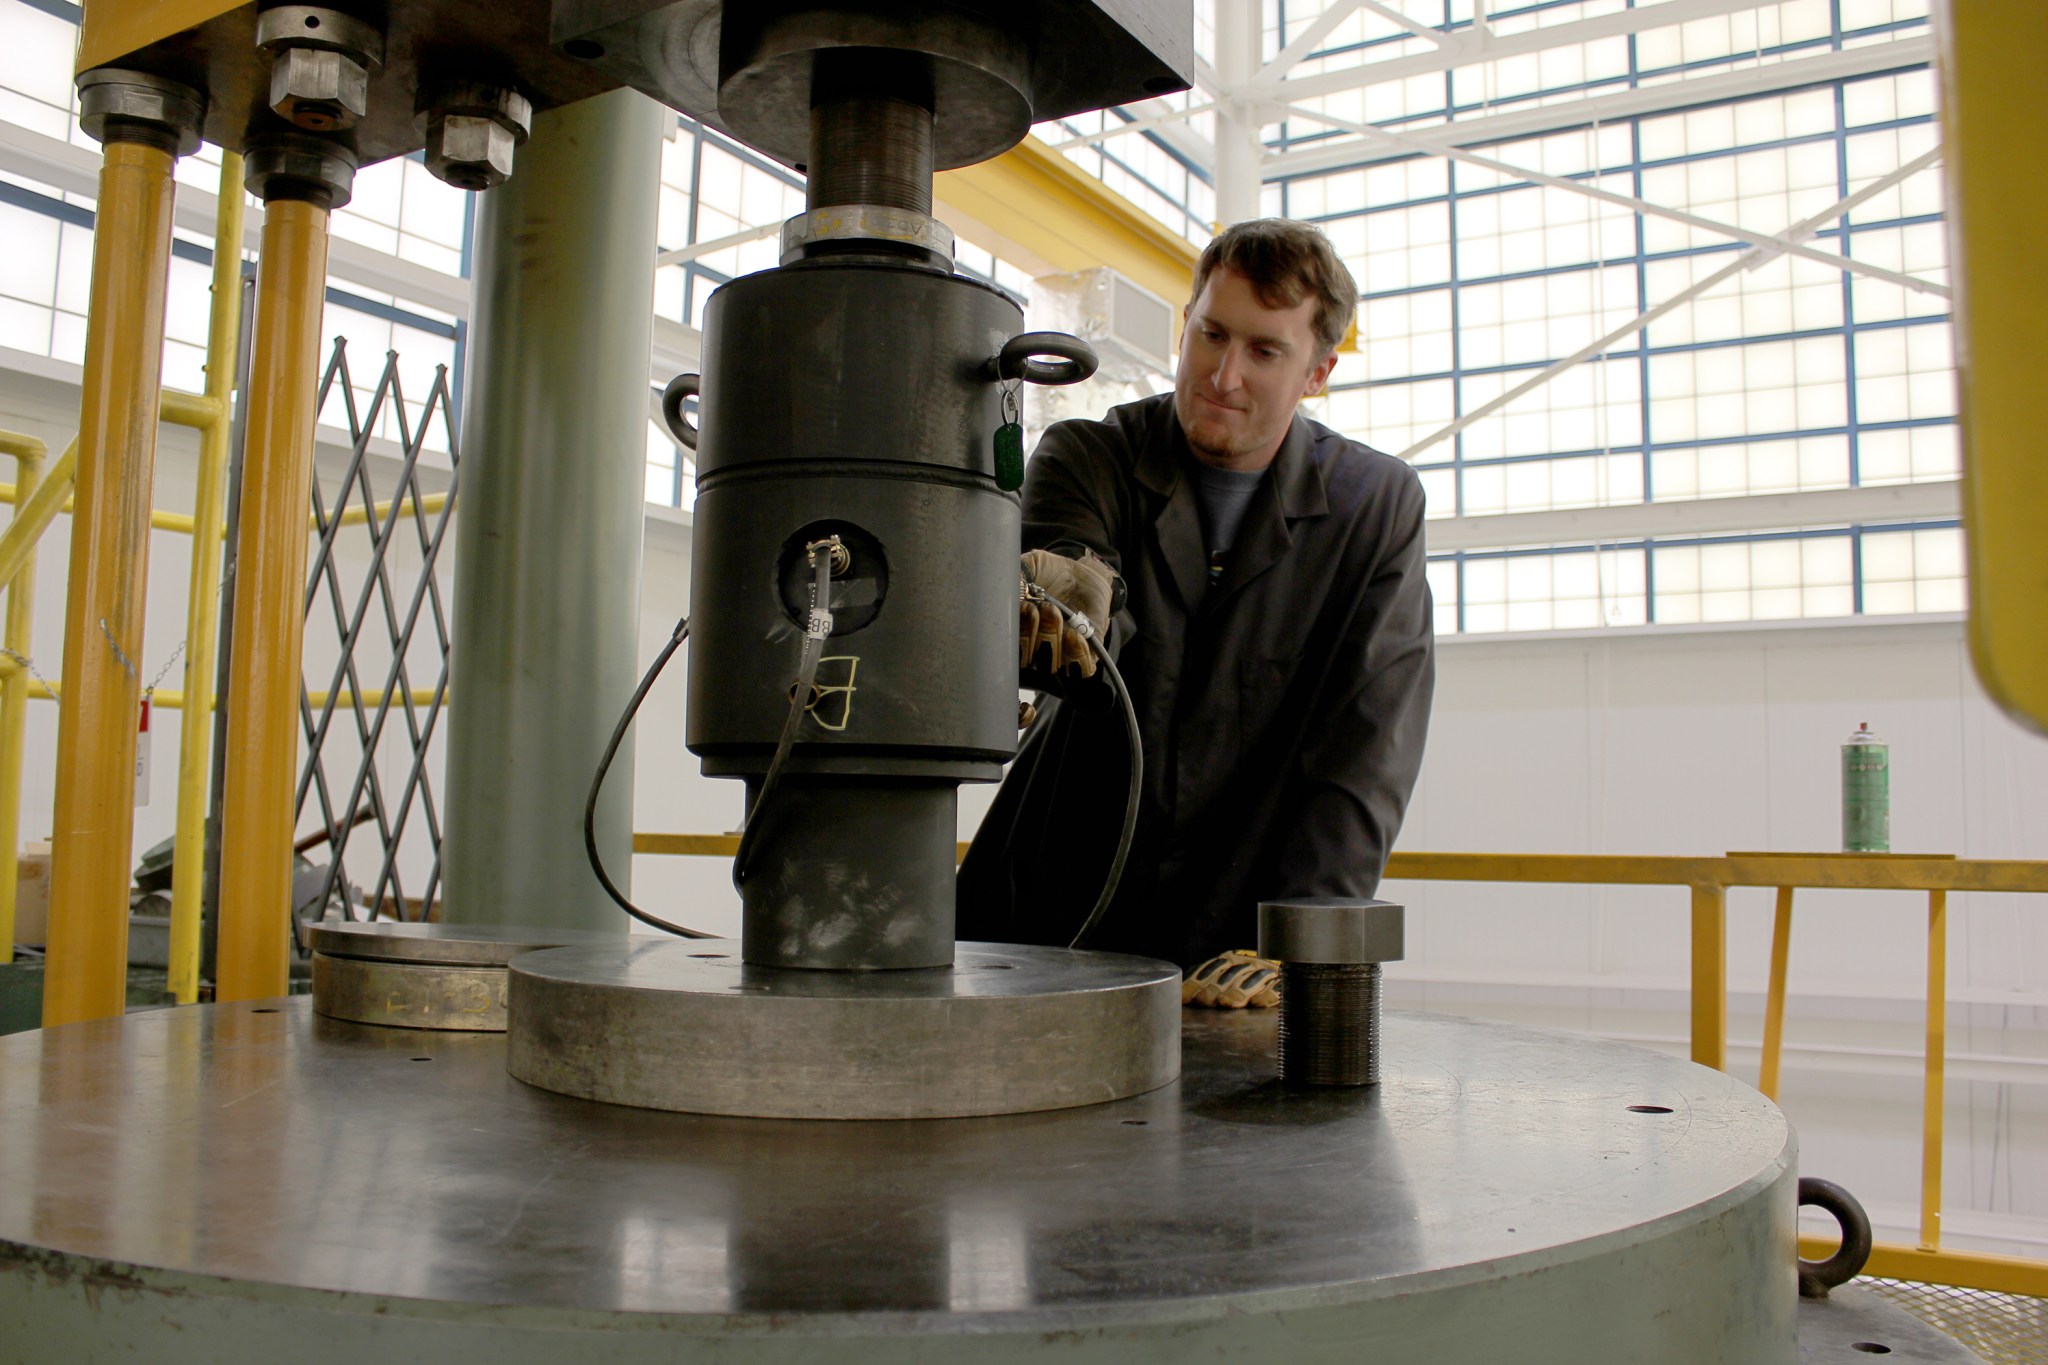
[(816, 629), (604, 766), (1123, 695)]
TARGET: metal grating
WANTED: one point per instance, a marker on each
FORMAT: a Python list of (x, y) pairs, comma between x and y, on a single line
[(368, 779), (2005, 1329)]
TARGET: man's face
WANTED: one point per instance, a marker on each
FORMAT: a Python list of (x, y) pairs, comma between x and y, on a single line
[(1243, 368)]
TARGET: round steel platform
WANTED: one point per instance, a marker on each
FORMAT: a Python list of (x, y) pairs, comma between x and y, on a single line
[(255, 1182), (426, 976), (1008, 1029)]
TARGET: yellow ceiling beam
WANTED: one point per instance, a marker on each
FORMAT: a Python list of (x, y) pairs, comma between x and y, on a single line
[(1042, 213)]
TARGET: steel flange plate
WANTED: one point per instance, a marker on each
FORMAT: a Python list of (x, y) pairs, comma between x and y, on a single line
[(1007, 1029)]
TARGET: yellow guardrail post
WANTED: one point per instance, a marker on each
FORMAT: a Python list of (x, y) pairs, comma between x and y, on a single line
[(1937, 1059), (270, 604), (1774, 999), (28, 456), (1710, 976), (202, 609), (93, 820)]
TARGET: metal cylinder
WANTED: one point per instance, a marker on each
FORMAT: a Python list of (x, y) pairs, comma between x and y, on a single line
[(846, 400), (820, 898), (547, 549), (1330, 1023), (264, 676), (93, 818), (871, 150)]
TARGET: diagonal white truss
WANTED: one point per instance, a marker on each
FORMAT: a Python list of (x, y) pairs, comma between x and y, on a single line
[(1747, 260), (1790, 246)]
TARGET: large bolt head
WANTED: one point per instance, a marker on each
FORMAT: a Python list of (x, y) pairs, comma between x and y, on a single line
[(469, 151), (320, 91)]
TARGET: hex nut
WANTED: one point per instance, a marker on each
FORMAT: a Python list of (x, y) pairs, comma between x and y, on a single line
[(1331, 930), (319, 90), (468, 151), (473, 132)]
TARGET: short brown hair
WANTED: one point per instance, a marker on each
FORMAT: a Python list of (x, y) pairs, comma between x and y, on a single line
[(1286, 261)]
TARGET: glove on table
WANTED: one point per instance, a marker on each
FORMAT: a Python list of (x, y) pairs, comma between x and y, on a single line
[(1233, 981)]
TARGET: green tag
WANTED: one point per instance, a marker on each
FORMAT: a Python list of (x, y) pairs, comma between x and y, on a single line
[(1009, 457)]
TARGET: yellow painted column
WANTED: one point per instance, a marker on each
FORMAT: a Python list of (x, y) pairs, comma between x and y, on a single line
[(270, 592), (1774, 999), (1933, 1097), (1710, 976), (93, 820), (202, 613), (21, 597)]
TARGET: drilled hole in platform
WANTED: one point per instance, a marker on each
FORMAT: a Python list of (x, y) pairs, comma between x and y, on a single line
[(1649, 1109), (423, 1059), (1870, 1348), (263, 1011), (995, 966), (710, 954), (1136, 1123)]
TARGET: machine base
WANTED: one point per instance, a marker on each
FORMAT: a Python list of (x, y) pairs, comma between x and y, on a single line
[(1007, 1029), (252, 1182)]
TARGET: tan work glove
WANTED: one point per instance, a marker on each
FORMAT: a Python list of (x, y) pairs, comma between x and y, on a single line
[(1086, 586), (1233, 981)]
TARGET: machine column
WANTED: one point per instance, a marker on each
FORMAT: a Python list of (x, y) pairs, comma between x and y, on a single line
[(300, 180), (144, 123), (548, 539)]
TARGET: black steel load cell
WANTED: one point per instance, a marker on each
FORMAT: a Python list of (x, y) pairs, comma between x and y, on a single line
[(851, 401)]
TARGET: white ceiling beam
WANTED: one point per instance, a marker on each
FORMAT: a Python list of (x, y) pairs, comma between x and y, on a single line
[(1136, 125), (683, 255), (1304, 43), (1409, 22), (1748, 260), (1833, 260), (1536, 120), (1633, 521), (1617, 24)]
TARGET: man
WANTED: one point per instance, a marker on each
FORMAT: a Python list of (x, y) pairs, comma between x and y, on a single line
[(1275, 634)]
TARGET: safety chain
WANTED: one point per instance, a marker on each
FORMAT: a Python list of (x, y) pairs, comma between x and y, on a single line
[(30, 665)]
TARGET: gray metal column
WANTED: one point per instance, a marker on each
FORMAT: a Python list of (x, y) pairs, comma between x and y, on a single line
[(549, 526)]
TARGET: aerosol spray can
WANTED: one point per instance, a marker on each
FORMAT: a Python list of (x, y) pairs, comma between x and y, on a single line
[(1866, 793)]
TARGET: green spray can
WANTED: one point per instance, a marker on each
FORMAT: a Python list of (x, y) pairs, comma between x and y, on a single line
[(1866, 793)]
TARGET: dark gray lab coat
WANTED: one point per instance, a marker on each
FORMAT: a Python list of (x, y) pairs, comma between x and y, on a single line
[(1283, 709)]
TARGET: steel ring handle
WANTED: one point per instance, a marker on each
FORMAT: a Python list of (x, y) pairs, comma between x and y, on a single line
[(1074, 359), (1816, 1278), (672, 415)]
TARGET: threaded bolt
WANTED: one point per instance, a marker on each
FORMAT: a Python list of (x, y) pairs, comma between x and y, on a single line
[(1330, 952), (1330, 1023)]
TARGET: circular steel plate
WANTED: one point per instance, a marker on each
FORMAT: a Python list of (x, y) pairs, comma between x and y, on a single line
[(462, 945), (1007, 1029), (252, 1181), (428, 995)]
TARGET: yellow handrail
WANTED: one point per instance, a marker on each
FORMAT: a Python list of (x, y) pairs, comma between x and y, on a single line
[(1709, 880), (168, 699), (351, 516)]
